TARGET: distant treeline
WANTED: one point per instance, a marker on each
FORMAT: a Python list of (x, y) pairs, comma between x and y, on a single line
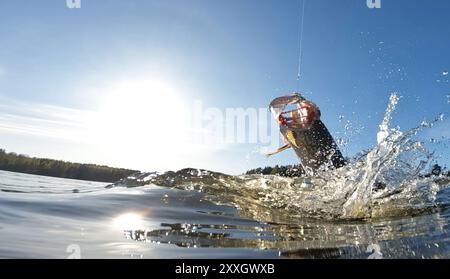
[(297, 170), (286, 171), (48, 167)]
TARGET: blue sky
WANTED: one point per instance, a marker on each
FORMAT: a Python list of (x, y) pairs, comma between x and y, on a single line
[(61, 70)]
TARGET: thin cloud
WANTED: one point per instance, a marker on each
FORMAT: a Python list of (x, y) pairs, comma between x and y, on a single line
[(43, 120)]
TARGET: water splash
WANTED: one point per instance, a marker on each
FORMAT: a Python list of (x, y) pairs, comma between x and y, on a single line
[(388, 180), (350, 130), (383, 132)]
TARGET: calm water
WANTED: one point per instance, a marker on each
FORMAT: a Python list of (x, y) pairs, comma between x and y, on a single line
[(43, 217)]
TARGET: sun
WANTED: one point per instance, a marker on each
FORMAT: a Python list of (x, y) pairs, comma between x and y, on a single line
[(140, 117), (134, 103)]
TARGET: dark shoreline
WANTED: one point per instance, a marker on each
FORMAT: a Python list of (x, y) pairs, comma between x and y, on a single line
[(20, 163), (56, 168)]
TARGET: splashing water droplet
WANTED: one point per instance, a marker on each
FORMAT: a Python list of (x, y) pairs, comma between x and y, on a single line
[(445, 73), (384, 126), (425, 124)]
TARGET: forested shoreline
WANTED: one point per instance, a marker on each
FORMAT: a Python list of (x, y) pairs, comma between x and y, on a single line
[(285, 171), (56, 168), (297, 170), (48, 167)]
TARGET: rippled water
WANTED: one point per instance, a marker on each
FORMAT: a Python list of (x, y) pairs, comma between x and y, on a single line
[(381, 205), (161, 222)]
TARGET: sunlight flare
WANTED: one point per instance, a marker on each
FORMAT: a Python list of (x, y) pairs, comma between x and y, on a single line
[(141, 116)]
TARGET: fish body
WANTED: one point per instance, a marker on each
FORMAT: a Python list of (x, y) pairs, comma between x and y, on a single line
[(305, 133), (314, 147)]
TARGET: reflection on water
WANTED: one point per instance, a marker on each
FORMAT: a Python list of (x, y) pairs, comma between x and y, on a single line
[(422, 236), (128, 221)]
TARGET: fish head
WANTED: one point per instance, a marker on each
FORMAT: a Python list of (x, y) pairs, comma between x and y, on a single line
[(304, 114)]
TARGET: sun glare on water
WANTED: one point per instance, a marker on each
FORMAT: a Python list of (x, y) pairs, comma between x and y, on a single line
[(128, 221)]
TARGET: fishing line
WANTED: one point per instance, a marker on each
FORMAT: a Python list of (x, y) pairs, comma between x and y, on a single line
[(300, 51)]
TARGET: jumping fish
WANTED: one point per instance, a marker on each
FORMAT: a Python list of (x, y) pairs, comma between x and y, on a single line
[(303, 131)]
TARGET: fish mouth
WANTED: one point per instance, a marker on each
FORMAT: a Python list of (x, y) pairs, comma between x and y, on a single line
[(280, 103), (302, 117)]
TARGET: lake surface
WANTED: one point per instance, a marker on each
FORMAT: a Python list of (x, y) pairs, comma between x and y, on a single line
[(45, 217)]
